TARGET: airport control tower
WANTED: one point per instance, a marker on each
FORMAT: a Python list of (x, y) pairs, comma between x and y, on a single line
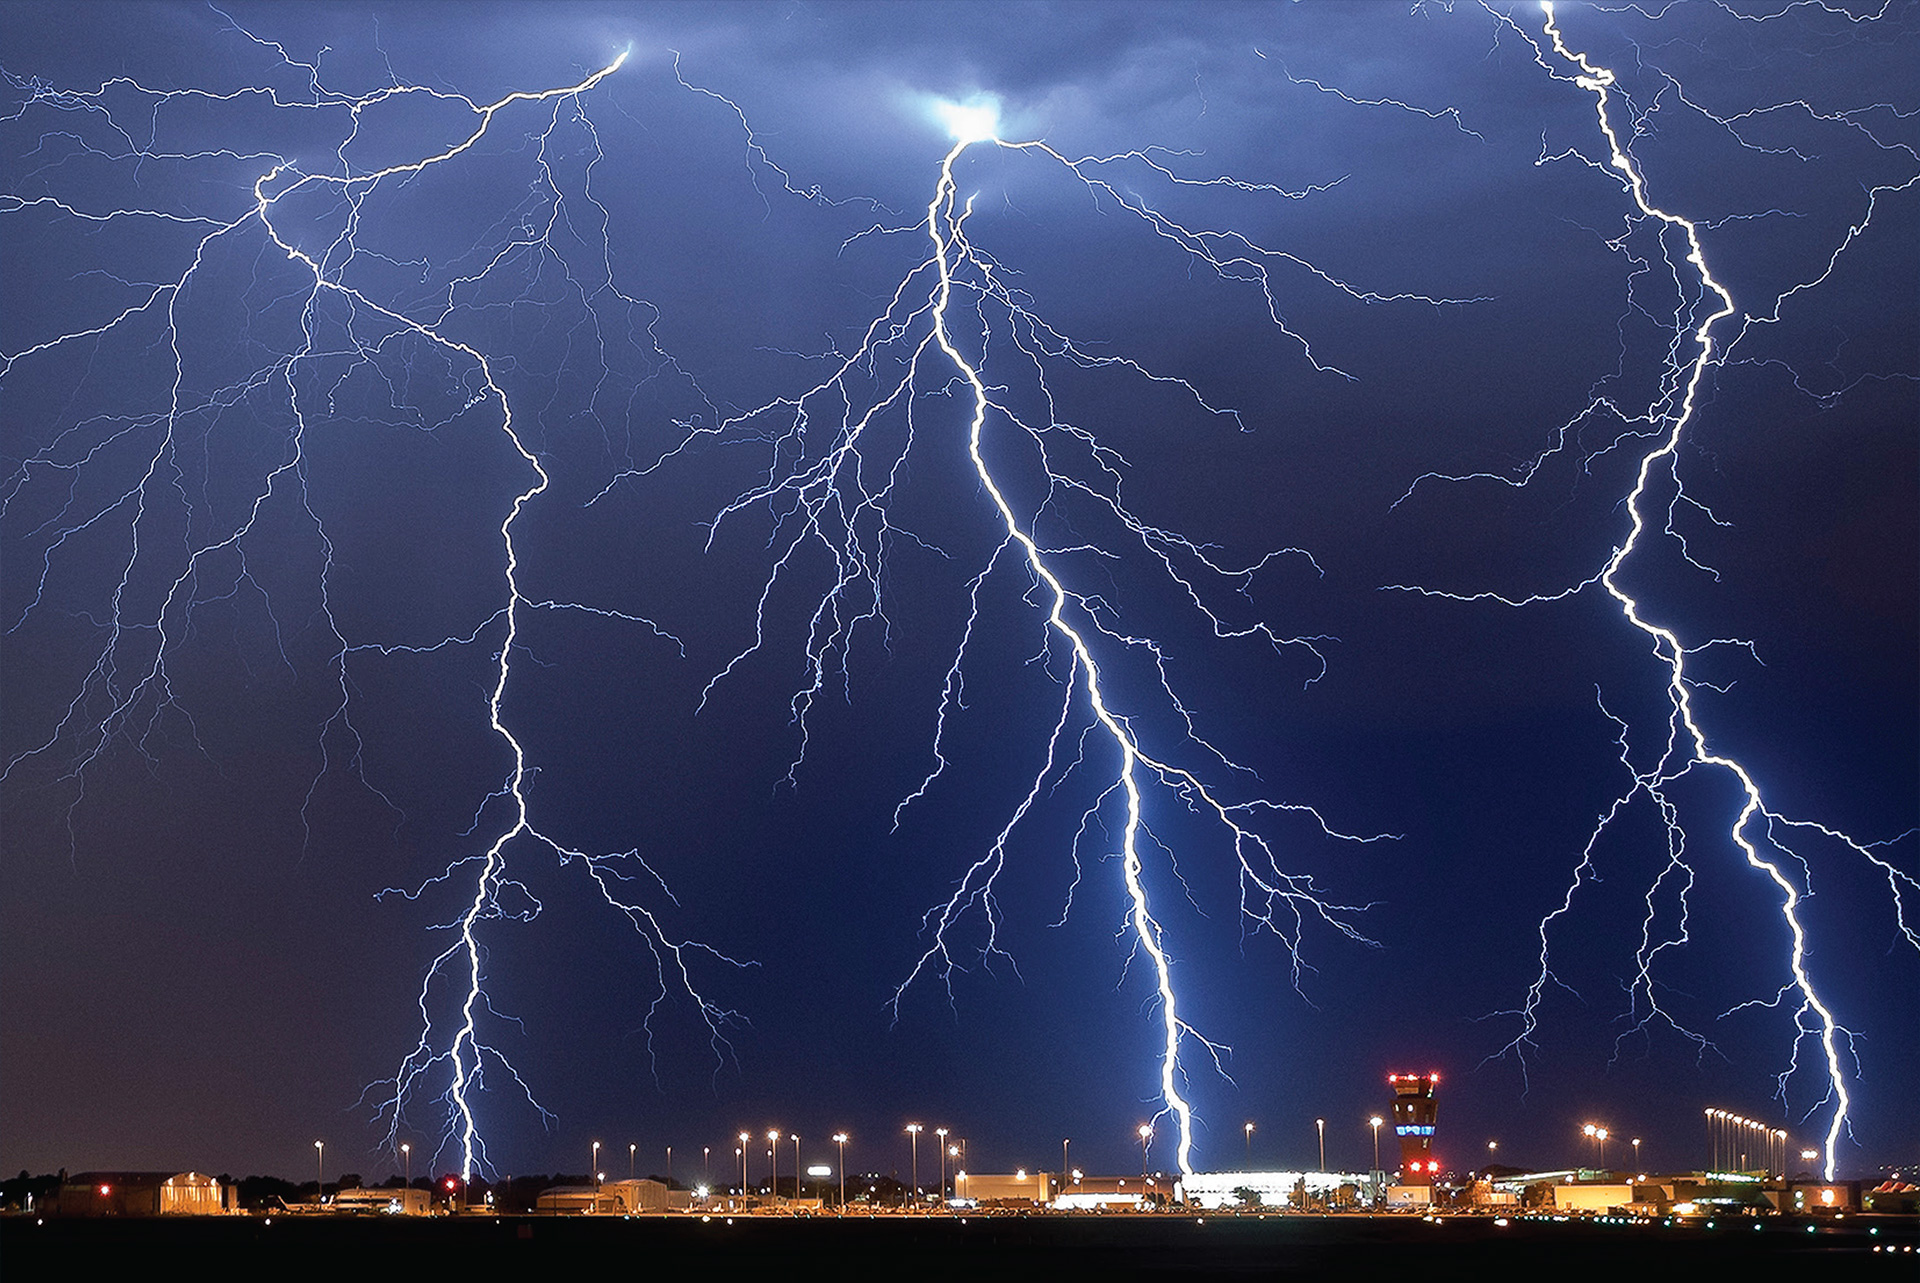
[(1414, 1110)]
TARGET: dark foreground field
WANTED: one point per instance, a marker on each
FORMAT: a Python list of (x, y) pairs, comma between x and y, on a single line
[(996, 1247)]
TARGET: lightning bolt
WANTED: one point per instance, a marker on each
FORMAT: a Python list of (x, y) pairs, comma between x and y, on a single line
[(183, 552), (185, 449), (935, 341), (1698, 344)]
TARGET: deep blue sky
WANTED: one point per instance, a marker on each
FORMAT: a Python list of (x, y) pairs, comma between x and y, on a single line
[(196, 970)]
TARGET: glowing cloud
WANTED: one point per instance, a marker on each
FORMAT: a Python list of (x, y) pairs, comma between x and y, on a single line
[(977, 121)]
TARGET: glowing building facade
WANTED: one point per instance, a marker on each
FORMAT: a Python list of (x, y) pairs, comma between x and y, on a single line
[(1414, 1110)]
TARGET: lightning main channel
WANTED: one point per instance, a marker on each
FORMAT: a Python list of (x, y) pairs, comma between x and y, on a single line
[(1760, 833), (199, 515), (832, 492)]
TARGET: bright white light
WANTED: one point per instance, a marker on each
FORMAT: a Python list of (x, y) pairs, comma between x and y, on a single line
[(974, 122)]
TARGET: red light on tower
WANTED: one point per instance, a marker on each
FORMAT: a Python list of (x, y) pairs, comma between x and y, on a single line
[(1414, 1111)]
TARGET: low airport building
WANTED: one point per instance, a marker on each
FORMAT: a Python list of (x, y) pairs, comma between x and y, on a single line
[(1275, 1189), (142, 1194), (613, 1198), (1014, 1189), (384, 1202)]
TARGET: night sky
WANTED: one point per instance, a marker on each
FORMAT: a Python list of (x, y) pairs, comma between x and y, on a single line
[(256, 583)]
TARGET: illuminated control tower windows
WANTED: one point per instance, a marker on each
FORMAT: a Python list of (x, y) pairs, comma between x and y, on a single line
[(1414, 1110)]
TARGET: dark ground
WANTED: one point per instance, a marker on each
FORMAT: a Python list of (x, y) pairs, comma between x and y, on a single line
[(977, 1246)]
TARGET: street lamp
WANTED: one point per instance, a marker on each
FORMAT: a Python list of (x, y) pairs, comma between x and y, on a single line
[(745, 1139), (1636, 1155), (1146, 1135), (669, 1167), (631, 1147), (1374, 1123), (941, 1132), (773, 1162), (913, 1132), (1601, 1136), (1248, 1128), (706, 1165), (1064, 1164), (796, 1164), (320, 1171), (1320, 1125), (406, 1154), (840, 1139)]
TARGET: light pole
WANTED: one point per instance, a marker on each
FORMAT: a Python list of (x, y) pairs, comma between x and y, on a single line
[(953, 1152), (1374, 1123), (595, 1169), (631, 1147), (913, 1133), (773, 1162), (706, 1165), (1064, 1164), (320, 1171), (1601, 1136), (941, 1132), (1493, 1145), (669, 1167), (840, 1139), (1636, 1155), (745, 1139), (796, 1164), (1146, 1135), (406, 1155), (1320, 1125), (1249, 1131)]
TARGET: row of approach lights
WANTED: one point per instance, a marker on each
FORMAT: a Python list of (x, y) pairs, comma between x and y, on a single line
[(1725, 1131)]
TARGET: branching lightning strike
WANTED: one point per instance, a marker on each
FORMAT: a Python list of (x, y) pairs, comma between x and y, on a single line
[(836, 499), (128, 691), (192, 483), (1696, 347)]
